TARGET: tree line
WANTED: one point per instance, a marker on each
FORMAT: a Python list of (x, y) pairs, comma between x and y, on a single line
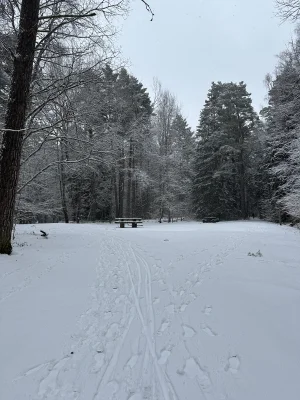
[(81, 139)]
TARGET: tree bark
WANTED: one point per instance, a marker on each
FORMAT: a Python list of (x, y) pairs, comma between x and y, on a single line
[(11, 150)]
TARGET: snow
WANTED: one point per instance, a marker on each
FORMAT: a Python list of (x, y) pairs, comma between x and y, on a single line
[(165, 312)]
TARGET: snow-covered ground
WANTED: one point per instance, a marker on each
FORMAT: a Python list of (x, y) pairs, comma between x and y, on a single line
[(164, 312)]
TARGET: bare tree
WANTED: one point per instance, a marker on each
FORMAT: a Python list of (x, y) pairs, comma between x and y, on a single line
[(39, 22), (10, 156), (288, 9)]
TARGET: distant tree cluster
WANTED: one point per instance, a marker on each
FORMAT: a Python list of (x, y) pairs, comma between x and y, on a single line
[(81, 139), (249, 165)]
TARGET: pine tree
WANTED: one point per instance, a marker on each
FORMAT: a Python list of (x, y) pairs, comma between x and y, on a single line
[(221, 182)]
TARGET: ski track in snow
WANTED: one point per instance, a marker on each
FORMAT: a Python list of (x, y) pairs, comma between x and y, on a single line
[(73, 368), (123, 302)]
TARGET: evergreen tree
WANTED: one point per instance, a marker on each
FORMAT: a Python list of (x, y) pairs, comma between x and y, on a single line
[(221, 182), (283, 127)]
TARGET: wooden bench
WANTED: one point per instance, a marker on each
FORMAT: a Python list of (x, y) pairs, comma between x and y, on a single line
[(133, 221)]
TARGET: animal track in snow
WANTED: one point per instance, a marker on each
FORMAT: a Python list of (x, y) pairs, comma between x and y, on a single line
[(233, 365), (208, 330), (156, 300), (188, 331), (164, 355)]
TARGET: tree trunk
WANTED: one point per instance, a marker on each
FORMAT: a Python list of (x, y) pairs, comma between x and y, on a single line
[(121, 193), (121, 176), (243, 189), (11, 151), (129, 210), (115, 186), (61, 154), (63, 194), (92, 199), (62, 184)]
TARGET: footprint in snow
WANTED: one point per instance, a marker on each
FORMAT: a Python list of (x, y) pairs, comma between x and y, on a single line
[(183, 307), (171, 308), (188, 331), (132, 361), (136, 396), (193, 370), (208, 330), (205, 268), (112, 331), (164, 326), (120, 299), (233, 365), (207, 310), (99, 361), (164, 355), (107, 315), (108, 391)]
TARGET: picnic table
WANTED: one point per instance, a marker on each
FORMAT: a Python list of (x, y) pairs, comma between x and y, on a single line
[(133, 221)]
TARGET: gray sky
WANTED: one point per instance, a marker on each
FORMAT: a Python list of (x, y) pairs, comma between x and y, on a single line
[(191, 43)]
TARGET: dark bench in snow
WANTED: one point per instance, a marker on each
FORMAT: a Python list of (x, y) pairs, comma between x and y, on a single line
[(210, 219), (133, 221)]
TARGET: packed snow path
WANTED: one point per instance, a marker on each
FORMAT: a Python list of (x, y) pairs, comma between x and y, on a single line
[(182, 311)]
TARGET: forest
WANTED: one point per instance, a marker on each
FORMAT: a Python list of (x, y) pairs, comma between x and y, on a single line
[(93, 145)]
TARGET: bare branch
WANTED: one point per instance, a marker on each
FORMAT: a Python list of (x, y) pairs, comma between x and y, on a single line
[(148, 8), (288, 9), (67, 16)]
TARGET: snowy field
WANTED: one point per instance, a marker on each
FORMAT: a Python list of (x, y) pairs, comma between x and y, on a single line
[(164, 312)]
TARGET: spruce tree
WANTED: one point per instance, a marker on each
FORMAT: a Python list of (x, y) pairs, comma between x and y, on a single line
[(221, 182)]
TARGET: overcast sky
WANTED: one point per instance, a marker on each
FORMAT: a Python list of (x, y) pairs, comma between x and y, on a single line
[(191, 43)]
